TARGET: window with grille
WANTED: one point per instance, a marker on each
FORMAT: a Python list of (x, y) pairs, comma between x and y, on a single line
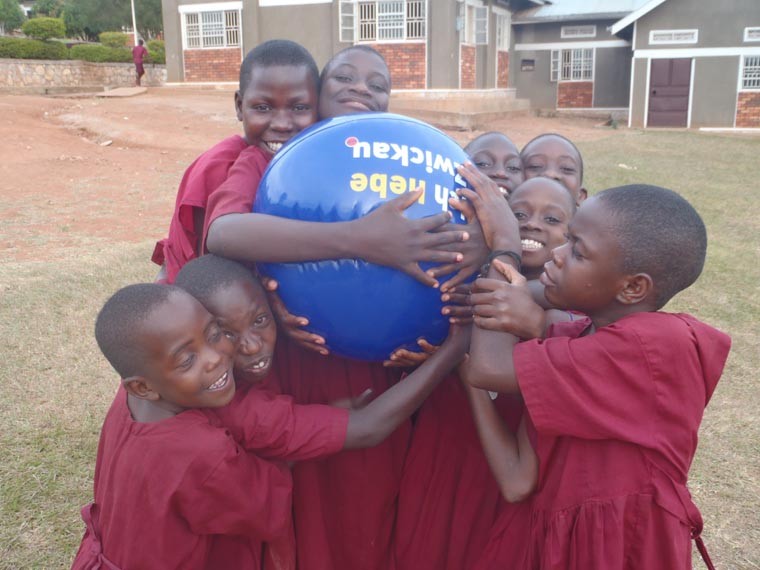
[(502, 32), (212, 29), (752, 34), (673, 37), (382, 21), (572, 65), (578, 31), (751, 72)]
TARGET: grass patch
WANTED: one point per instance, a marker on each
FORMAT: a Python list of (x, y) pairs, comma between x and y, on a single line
[(56, 387)]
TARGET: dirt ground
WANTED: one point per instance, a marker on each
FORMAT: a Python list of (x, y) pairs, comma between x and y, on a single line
[(76, 170)]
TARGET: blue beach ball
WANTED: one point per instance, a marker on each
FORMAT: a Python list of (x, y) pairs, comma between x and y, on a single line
[(340, 170)]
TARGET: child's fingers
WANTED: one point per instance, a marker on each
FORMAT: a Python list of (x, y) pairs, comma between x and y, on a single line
[(464, 207), (457, 311), (426, 346), (268, 283), (439, 270), (363, 399), (456, 298), (430, 223), (406, 200), (510, 273)]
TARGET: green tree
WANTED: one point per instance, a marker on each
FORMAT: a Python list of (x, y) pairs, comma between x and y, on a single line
[(11, 15), (88, 18), (44, 28), (50, 8)]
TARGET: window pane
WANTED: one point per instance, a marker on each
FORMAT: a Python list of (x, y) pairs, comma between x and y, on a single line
[(415, 19), (390, 20), (232, 27), (212, 29), (347, 20), (192, 31), (751, 75), (367, 21)]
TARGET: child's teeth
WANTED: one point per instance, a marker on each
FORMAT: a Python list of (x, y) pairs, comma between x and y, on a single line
[(274, 147), (531, 244)]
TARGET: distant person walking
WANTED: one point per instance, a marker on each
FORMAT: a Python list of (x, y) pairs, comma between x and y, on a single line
[(138, 54)]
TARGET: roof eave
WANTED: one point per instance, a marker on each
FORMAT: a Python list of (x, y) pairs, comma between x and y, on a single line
[(635, 15)]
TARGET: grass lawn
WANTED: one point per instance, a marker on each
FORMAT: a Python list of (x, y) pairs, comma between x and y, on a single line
[(55, 387)]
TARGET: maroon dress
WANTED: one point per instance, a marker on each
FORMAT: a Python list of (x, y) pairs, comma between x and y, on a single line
[(615, 416)]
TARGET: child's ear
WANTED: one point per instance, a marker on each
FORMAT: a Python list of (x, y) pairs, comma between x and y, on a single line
[(239, 105), (139, 387), (582, 195), (636, 288)]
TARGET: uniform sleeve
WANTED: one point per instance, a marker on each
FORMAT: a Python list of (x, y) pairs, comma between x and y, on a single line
[(236, 194), (274, 426), (229, 491), (598, 386)]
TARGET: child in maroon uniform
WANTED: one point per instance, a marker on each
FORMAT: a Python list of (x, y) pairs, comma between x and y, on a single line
[(169, 476), (614, 400), (277, 98), (497, 157), (345, 506), (447, 507)]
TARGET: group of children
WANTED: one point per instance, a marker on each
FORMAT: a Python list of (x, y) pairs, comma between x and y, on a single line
[(563, 407)]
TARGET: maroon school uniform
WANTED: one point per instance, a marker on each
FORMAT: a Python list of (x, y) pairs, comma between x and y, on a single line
[(449, 499), (345, 505), (201, 179), (616, 415), (180, 493)]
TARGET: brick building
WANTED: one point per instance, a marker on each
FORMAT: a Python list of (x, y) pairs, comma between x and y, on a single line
[(689, 63)]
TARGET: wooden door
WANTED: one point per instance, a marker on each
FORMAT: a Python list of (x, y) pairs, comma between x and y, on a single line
[(669, 92)]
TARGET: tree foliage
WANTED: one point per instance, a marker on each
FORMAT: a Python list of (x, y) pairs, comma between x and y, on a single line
[(49, 8), (11, 15), (88, 18), (43, 28)]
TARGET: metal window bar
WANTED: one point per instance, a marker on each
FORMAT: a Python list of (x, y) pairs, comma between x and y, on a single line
[(481, 25), (751, 74), (415, 19), (192, 31), (232, 27), (390, 20), (554, 70), (212, 29), (367, 21)]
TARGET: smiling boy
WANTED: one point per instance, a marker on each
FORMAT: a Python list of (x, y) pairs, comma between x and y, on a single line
[(276, 99)]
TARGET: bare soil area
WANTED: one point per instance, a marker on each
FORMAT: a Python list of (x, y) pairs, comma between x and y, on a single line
[(82, 169)]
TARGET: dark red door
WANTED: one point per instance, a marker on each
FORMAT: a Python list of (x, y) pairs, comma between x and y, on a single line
[(669, 92)]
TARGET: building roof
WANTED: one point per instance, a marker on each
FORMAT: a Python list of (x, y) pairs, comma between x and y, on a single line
[(629, 19), (569, 10)]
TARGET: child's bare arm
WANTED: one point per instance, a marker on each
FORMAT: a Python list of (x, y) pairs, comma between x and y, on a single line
[(372, 424), (510, 456), (383, 236)]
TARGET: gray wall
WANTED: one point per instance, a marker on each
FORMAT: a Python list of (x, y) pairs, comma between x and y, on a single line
[(172, 40), (546, 33), (443, 45), (612, 77), (311, 25), (639, 93), (713, 107), (720, 24), (535, 85)]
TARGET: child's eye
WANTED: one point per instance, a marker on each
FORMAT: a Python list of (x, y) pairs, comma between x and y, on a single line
[(302, 108), (230, 335), (520, 215), (261, 320), (552, 220), (534, 167), (262, 108), (215, 335), (343, 78), (187, 362), (483, 164), (568, 170), (378, 88), (514, 169)]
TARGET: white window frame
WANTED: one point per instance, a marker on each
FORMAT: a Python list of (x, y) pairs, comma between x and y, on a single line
[(748, 32), (503, 31), (574, 32), (475, 20), (673, 39), (362, 21), (743, 70), (559, 66), (230, 19)]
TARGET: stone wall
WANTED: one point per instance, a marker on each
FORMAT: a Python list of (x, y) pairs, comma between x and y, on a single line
[(748, 109), (575, 95), (407, 63), (40, 76)]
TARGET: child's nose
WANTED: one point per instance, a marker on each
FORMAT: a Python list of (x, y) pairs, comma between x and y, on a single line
[(361, 87), (530, 223), (558, 254), (250, 344), (282, 121)]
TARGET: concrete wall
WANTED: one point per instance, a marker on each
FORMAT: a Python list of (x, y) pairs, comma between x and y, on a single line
[(443, 45), (40, 76), (720, 24), (535, 85), (311, 25), (639, 94), (612, 77), (551, 32)]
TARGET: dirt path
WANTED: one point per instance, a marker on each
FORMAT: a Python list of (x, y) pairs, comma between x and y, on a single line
[(76, 171)]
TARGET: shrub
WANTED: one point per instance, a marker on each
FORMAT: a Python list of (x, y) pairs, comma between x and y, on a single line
[(157, 51), (99, 54), (43, 28), (23, 48), (115, 39)]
